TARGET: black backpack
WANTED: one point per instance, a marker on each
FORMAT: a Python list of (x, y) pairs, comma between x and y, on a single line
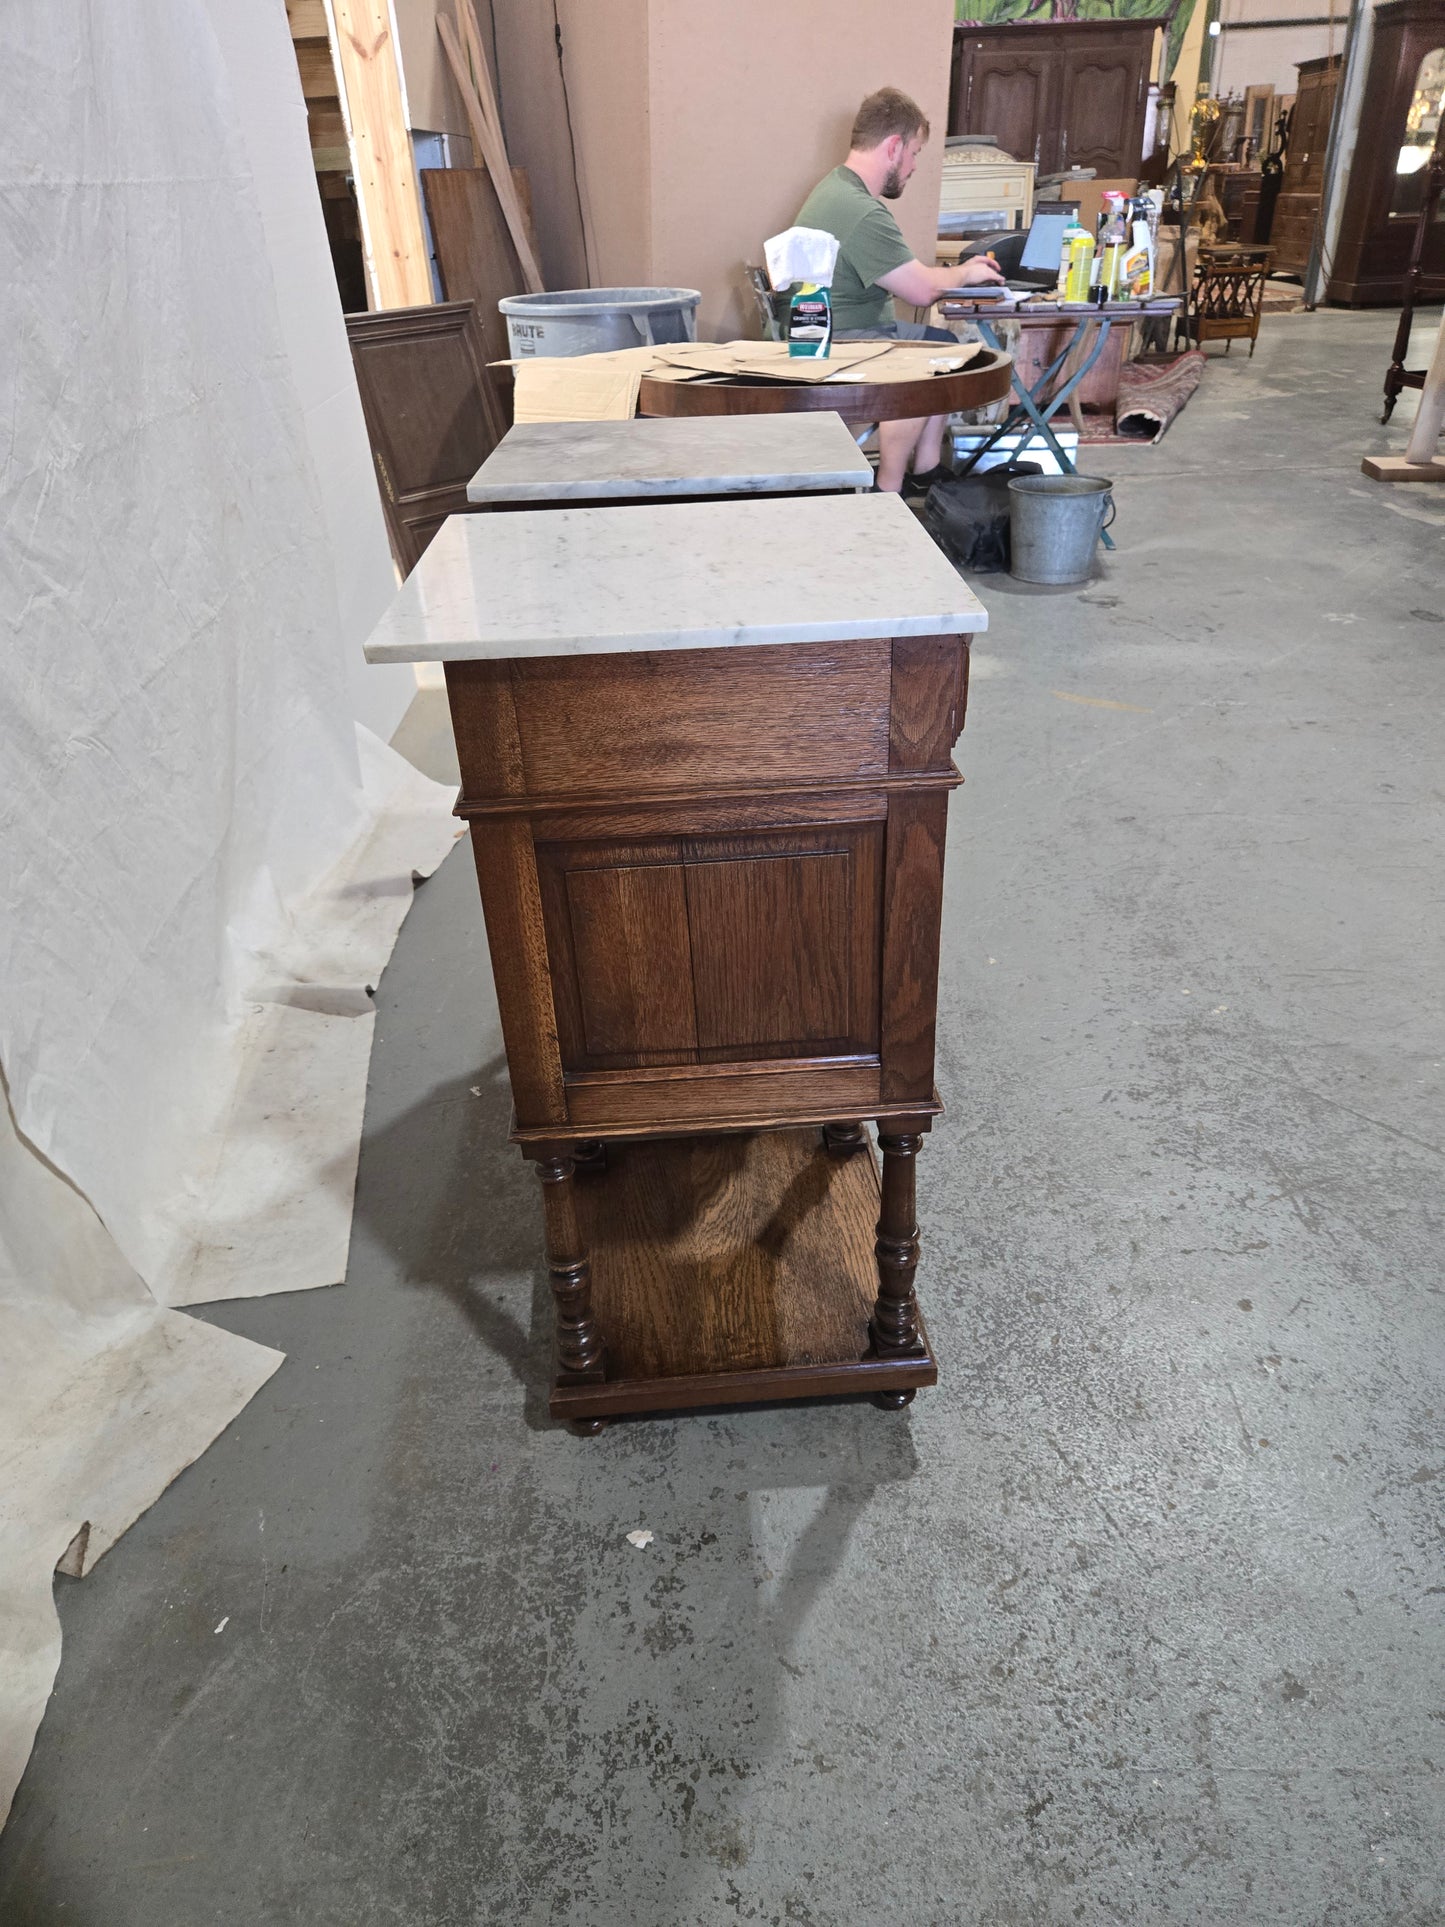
[(968, 516)]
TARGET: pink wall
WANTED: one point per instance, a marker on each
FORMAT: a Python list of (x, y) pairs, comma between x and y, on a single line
[(750, 104), (699, 129)]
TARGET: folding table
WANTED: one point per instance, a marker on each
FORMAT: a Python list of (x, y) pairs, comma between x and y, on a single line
[(1035, 405)]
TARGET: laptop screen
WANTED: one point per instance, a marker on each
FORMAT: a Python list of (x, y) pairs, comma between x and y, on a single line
[(1045, 241)]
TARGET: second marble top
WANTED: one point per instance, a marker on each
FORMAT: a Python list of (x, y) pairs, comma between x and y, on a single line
[(711, 455), (681, 575)]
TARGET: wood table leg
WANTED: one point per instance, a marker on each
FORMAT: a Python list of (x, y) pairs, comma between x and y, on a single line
[(581, 1354), (894, 1326)]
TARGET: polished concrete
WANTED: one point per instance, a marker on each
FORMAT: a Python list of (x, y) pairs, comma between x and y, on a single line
[(1137, 1618)]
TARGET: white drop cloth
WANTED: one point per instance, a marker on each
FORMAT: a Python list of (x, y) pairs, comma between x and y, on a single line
[(204, 860)]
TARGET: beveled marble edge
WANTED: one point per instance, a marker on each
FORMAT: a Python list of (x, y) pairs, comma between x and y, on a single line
[(621, 487), (724, 456), (944, 623), (707, 575)]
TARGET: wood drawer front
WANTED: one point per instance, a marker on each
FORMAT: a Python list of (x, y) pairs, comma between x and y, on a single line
[(705, 950), (637, 724), (983, 186)]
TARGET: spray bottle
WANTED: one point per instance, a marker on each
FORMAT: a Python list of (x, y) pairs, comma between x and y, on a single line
[(1113, 241), (810, 321), (1078, 262)]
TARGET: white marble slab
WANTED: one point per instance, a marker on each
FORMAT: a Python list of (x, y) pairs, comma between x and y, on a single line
[(680, 575), (722, 455)]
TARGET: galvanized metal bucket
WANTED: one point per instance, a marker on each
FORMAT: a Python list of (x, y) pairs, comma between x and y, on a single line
[(1054, 523)]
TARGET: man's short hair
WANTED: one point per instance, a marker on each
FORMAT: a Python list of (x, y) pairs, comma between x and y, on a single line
[(884, 114)]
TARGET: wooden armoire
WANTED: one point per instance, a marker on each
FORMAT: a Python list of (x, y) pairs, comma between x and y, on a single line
[(1382, 201), (1068, 93), (1296, 212)]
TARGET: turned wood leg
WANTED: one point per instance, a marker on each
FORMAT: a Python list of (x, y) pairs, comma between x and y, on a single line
[(894, 1326), (842, 1140), (580, 1351)]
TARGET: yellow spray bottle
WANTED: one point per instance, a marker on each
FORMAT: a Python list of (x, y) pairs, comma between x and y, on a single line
[(1078, 262)]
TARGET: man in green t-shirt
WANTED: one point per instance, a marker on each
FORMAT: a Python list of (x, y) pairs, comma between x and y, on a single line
[(875, 263)]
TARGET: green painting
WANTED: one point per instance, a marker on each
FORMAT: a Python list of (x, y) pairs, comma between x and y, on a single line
[(1172, 15)]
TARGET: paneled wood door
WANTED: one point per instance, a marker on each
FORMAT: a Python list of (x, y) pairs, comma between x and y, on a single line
[(698, 949), (1010, 90), (1062, 94), (431, 414), (1103, 92)]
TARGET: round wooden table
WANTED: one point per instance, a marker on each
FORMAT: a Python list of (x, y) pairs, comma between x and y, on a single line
[(985, 379)]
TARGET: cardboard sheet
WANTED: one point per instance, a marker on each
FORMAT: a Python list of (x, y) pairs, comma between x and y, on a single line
[(575, 388)]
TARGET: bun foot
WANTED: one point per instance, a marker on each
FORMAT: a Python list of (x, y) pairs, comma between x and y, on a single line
[(588, 1428), (893, 1401)]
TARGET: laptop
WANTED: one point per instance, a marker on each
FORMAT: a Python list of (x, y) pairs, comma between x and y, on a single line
[(1030, 261)]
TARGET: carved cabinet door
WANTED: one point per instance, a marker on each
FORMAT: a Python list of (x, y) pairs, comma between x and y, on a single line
[(1101, 110), (1004, 91)]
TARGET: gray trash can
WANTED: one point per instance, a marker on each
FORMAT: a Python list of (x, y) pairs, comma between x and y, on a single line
[(1054, 523), (589, 321)]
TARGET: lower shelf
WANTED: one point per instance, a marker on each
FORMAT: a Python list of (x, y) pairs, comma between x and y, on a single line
[(728, 1270)]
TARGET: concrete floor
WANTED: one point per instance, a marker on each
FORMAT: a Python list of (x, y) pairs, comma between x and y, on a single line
[(1137, 1618)]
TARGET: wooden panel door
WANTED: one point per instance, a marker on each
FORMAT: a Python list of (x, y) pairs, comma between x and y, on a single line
[(1007, 92), (431, 416), (1062, 94), (1103, 94), (713, 950)]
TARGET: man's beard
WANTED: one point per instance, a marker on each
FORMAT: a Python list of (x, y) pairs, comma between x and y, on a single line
[(893, 185)]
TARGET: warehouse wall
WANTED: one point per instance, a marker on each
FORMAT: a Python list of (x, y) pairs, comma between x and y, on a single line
[(698, 131), (1268, 56), (750, 105)]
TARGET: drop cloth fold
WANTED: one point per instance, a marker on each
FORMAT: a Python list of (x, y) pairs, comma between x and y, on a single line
[(204, 856)]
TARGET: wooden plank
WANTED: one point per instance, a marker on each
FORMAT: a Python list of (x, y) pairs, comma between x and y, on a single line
[(327, 129), (307, 19), (1399, 468), (523, 185), (397, 265), (318, 72), (475, 253), (487, 139)]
